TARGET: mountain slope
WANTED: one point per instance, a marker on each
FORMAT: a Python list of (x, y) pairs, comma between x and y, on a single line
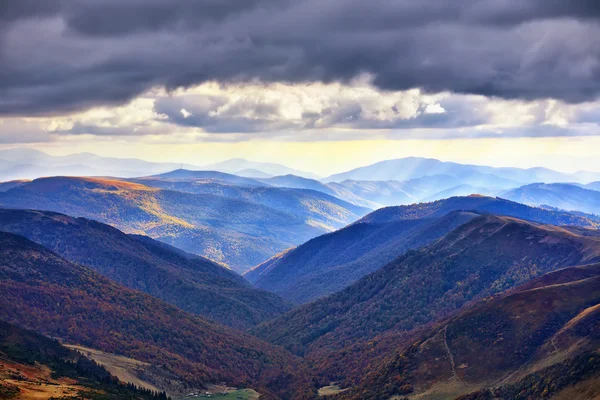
[(44, 292), (192, 283), (331, 262), (558, 195), (482, 257), (36, 367), (239, 233), (313, 207), (546, 331)]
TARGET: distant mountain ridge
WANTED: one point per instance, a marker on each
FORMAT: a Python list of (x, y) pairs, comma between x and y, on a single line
[(332, 261), (416, 167), (236, 165), (559, 195)]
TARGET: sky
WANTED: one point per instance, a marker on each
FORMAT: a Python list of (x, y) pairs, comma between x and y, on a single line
[(320, 85)]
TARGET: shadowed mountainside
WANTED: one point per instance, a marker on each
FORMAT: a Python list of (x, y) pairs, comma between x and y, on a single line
[(46, 293), (190, 282), (331, 262), (480, 258)]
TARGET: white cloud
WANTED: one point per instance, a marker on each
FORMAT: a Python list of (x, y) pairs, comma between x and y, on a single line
[(310, 112)]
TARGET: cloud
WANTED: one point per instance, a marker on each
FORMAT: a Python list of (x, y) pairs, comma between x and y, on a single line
[(67, 56), (315, 112)]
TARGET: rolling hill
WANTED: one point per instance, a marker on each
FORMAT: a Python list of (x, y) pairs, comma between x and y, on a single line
[(559, 195), (239, 233), (332, 261), (314, 207), (192, 283), (50, 295), (536, 341), (480, 258), (35, 367)]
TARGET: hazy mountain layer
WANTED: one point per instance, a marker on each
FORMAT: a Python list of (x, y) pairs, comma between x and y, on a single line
[(559, 195), (239, 233)]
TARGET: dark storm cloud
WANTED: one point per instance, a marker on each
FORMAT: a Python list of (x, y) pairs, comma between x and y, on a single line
[(61, 56)]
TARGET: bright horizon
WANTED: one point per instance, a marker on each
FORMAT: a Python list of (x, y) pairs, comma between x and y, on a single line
[(315, 157)]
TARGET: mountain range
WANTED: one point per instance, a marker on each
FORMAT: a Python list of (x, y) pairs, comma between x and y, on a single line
[(482, 257), (331, 262), (226, 229), (416, 167), (466, 282), (26, 163), (558, 195)]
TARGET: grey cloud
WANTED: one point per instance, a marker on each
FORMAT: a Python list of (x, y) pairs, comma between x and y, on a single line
[(71, 55)]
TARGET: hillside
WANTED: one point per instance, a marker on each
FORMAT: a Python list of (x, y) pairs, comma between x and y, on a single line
[(559, 195), (192, 283), (313, 207), (485, 256), (535, 341), (235, 232), (331, 262), (35, 367), (46, 293)]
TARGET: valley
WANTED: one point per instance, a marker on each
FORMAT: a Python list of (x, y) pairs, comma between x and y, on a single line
[(194, 284)]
